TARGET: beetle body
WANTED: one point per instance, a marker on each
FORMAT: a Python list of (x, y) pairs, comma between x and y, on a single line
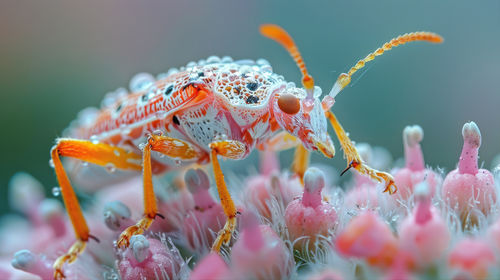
[(207, 101)]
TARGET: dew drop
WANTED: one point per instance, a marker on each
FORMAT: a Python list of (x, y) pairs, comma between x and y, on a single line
[(213, 59), (266, 68), (85, 163), (191, 64), (110, 167), (141, 82), (178, 162), (94, 139), (117, 153), (141, 146), (51, 163), (172, 71), (226, 59), (56, 191), (262, 61)]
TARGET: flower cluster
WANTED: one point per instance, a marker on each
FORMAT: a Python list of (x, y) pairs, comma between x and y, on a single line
[(436, 226)]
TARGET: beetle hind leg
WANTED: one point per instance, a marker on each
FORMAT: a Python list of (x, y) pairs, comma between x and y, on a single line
[(354, 159), (100, 154), (76, 249)]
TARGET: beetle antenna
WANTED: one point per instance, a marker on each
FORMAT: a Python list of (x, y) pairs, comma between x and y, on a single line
[(345, 78), (279, 35)]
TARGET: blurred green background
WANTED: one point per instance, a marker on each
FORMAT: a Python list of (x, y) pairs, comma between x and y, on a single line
[(58, 57)]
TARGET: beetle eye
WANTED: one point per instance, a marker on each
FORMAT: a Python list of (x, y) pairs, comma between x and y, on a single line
[(289, 104)]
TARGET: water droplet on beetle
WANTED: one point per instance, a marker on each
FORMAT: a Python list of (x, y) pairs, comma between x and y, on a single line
[(213, 59), (110, 167), (262, 61), (226, 59), (56, 191), (266, 68), (94, 139), (141, 82), (117, 153), (172, 71)]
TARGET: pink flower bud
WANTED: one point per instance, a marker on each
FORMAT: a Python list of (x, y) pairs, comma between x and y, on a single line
[(27, 261), (212, 266), (414, 171), (468, 188), (53, 215), (472, 256), (207, 218), (261, 190), (310, 216), (117, 215), (146, 258), (423, 235), (367, 236), (259, 253), (25, 194)]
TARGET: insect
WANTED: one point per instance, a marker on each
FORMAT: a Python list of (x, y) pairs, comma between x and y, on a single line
[(216, 107)]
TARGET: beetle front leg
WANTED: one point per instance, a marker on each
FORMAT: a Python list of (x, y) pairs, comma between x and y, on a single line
[(234, 150), (354, 160), (168, 146)]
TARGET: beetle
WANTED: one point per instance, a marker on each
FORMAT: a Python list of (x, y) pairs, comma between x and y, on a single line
[(216, 107)]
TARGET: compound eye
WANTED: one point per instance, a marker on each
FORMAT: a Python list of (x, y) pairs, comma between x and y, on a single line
[(289, 104)]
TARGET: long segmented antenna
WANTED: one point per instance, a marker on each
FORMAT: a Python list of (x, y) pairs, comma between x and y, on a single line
[(278, 34), (345, 78)]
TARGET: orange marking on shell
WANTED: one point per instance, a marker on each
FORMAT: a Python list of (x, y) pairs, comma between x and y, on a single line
[(289, 104)]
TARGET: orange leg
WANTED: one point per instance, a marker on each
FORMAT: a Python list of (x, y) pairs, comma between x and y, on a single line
[(300, 162), (354, 160), (234, 150), (101, 154), (170, 147)]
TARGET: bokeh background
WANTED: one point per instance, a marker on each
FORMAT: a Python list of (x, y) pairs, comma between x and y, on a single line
[(58, 57)]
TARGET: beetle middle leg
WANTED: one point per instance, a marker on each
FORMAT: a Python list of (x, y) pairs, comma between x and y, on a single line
[(170, 147), (234, 150), (354, 160)]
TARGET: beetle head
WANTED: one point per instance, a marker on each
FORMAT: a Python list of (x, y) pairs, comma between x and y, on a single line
[(303, 118)]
